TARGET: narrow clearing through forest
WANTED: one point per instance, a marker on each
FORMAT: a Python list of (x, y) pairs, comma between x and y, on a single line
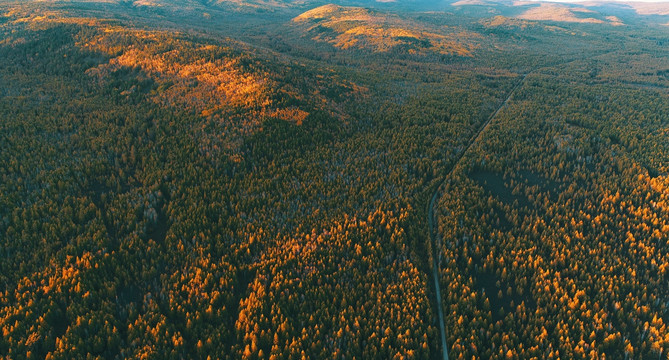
[(431, 219)]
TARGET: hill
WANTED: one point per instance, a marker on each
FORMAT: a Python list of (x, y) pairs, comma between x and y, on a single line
[(562, 13), (595, 12), (361, 28)]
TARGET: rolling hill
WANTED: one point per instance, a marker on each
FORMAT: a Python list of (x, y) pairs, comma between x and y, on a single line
[(364, 29)]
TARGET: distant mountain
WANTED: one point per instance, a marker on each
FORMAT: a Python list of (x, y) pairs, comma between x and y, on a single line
[(595, 12), (560, 12), (601, 12), (641, 8), (376, 31)]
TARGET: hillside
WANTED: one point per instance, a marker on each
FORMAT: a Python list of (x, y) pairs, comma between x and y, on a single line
[(568, 14), (364, 29), (593, 12)]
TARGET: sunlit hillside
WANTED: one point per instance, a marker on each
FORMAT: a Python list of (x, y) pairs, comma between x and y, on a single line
[(362, 28), (554, 12)]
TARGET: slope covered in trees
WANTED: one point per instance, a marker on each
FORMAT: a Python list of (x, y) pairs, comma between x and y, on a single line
[(555, 226), (361, 28), (174, 185), (179, 221)]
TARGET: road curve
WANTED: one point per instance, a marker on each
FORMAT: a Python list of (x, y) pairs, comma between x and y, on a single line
[(431, 219)]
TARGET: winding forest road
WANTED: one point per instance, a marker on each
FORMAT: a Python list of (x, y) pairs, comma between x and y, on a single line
[(431, 220)]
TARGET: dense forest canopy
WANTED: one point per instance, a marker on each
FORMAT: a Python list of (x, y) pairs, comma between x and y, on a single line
[(253, 179)]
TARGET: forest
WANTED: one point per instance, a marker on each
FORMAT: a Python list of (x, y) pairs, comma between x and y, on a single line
[(239, 181)]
